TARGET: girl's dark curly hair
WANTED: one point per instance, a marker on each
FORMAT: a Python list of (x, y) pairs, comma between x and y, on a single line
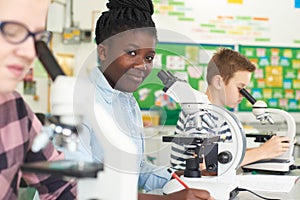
[(125, 15)]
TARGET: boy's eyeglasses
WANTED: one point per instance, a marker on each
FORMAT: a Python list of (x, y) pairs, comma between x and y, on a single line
[(16, 33)]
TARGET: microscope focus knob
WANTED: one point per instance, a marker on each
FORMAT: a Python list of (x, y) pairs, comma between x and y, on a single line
[(224, 157), (192, 168)]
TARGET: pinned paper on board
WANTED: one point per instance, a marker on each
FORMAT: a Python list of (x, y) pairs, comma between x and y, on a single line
[(261, 83), (275, 60), (296, 84), (292, 104), (290, 73), (287, 84), (260, 52), (264, 61), (267, 93), (296, 64), (297, 94), (283, 103), (175, 63), (274, 76), (273, 102), (275, 52), (157, 62), (288, 53), (289, 94), (249, 53), (191, 53), (277, 93), (257, 93), (195, 72), (259, 73), (284, 62)]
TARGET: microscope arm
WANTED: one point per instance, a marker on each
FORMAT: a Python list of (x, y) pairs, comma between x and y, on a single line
[(193, 101), (262, 113), (291, 124), (291, 131)]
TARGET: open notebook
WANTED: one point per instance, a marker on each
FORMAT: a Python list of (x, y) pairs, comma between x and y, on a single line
[(267, 183)]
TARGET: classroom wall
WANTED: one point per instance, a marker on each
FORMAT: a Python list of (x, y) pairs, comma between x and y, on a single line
[(265, 22), (217, 21), (254, 22)]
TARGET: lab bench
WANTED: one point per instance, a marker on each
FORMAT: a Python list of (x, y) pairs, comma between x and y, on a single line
[(293, 194)]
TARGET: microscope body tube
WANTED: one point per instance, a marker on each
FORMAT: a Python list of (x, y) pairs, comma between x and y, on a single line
[(54, 70), (248, 96), (181, 92), (48, 60)]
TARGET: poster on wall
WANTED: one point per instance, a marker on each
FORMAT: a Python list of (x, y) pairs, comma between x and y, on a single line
[(231, 21), (276, 79)]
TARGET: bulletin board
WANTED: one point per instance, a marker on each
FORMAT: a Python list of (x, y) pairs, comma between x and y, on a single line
[(277, 77), (185, 60), (247, 21)]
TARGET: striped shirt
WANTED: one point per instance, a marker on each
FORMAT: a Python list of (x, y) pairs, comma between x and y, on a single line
[(18, 127), (207, 124)]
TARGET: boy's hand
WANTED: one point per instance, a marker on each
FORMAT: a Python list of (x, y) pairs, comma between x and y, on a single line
[(275, 146)]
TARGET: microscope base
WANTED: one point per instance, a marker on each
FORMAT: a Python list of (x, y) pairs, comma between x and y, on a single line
[(221, 190), (277, 167)]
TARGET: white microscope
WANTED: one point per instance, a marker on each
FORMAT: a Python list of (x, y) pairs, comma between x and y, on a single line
[(280, 164), (222, 158), (71, 99)]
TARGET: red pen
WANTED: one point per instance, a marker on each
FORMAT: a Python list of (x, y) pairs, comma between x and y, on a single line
[(174, 175)]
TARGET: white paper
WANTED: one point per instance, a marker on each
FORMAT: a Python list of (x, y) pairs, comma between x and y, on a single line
[(267, 183)]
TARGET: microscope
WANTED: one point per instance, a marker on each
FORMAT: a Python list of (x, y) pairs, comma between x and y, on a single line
[(72, 99), (221, 157), (280, 164)]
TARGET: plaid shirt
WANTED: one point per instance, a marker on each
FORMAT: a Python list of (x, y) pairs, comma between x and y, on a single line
[(18, 127)]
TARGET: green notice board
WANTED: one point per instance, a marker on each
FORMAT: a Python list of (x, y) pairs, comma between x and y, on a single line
[(277, 78), (185, 60)]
